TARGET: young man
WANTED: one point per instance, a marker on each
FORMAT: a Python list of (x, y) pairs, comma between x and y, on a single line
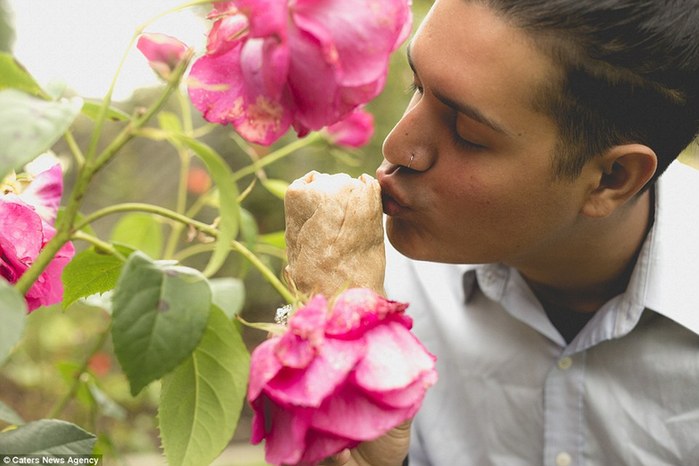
[(532, 146)]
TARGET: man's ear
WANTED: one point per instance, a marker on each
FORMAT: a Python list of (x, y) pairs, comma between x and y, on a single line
[(621, 173)]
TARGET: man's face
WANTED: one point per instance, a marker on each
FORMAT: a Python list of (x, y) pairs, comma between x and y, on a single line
[(480, 186)]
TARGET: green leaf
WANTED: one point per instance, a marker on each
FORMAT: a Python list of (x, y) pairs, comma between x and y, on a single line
[(228, 200), (15, 76), (9, 415), (276, 187), (13, 314), (159, 315), (200, 402), (169, 122), (91, 109), (276, 239), (228, 294), (47, 437), (248, 227), (140, 231), (29, 126), (91, 272)]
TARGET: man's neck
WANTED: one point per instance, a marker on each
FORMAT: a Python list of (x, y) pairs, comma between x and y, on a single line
[(597, 263)]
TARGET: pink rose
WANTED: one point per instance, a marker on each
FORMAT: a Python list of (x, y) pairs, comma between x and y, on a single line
[(302, 63), (44, 192), (164, 53), (25, 228), (355, 130), (337, 378)]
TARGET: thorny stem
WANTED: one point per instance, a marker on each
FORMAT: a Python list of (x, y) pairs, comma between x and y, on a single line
[(271, 278), (64, 226)]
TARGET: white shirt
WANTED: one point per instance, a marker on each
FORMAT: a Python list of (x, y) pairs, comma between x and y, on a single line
[(511, 392)]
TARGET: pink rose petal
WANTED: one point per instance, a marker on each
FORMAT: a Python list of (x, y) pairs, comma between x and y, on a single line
[(337, 380), (354, 130), (44, 193), (311, 386), (394, 359), (305, 64), (22, 235), (351, 415), (406, 397), (164, 53), (266, 365)]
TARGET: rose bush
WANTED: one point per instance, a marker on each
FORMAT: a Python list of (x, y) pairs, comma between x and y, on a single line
[(272, 65), (337, 377)]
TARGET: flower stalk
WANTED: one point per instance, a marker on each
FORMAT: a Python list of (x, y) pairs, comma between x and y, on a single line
[(277, 155), (271, 278), (64, 225)]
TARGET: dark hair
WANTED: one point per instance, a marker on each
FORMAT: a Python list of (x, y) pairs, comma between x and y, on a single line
[(630, 73)]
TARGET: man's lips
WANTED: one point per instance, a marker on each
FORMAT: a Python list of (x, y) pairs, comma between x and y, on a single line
[(391, 207), (393, 204)]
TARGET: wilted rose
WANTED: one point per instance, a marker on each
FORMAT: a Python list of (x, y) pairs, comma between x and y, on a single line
[(300, 63), (336, 378), (26, 217), (164, 53)]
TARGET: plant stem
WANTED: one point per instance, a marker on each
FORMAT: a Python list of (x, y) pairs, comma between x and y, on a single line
[(277, 155), (266, 273), (74, 148), (203, 227), (75, 385), (185, 163), (64, 226), (193, 250), (149, 208), (98, 243), (129, 132)]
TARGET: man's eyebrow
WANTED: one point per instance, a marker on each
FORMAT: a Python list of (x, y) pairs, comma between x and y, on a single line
[(468, 110)]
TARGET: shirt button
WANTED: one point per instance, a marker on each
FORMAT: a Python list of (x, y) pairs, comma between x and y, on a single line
[(565, 363), (563, 459)]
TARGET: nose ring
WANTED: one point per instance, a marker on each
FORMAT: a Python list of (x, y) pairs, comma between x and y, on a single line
[(410, 163)]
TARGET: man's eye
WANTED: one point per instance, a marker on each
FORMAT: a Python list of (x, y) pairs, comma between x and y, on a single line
[(413, 88), (466, 144)]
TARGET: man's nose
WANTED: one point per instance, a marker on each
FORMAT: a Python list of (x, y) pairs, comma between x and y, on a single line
[(410, 142)]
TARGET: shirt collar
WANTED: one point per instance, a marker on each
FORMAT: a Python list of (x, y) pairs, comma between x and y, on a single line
[(665, 274), (672, 259)]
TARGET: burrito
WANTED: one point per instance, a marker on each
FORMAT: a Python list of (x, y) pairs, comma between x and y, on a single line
[(334, 234)]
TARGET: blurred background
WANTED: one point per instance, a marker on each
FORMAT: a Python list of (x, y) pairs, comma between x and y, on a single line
[(74, 47)]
